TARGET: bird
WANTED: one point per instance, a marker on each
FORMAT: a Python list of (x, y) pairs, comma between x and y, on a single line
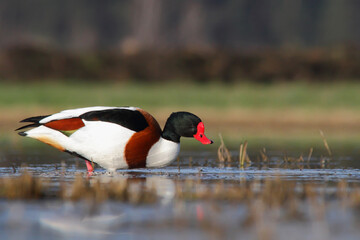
[(115, 137)]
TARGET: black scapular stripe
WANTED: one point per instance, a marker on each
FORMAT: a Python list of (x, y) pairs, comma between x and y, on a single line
[(36, 119), (130, 119)]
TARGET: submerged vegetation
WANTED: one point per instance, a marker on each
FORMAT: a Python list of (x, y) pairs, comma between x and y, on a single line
[(272, 191), (262, 205)]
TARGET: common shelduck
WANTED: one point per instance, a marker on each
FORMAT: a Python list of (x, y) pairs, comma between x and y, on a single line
[(116, 137)]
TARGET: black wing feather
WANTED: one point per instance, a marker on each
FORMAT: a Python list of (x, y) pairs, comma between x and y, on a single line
[(133, 120)]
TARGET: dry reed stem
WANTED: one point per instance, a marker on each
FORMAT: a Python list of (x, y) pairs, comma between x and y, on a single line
[(263, 155), (223, 152), (310, 154), (325, 143), (242, 154)]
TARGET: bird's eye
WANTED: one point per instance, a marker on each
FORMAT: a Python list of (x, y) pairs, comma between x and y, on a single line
[(201, 135)]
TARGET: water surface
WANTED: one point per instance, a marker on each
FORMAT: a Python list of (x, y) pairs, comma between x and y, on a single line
[(191, 217)]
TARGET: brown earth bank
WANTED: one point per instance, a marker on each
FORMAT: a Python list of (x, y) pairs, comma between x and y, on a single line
[(31, 62)]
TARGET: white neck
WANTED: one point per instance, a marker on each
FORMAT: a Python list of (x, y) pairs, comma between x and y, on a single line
[(162, 153)]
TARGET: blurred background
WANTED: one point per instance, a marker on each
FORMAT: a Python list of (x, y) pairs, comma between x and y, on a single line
[(157, 40), (282, 75), (274, 72)]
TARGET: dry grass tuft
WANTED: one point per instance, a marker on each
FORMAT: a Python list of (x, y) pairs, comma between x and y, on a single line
[(271, 193), (23, 187), (223, 152), (120, 189)]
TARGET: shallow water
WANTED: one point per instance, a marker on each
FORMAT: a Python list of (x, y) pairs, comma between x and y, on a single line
[(192, 165), (172, 217)]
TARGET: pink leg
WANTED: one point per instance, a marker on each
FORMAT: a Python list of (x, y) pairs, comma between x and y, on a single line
[(89, 166)]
